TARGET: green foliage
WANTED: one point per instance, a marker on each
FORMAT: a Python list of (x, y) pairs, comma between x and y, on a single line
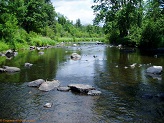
[(3, 45), (113, 37), (40, 40), (31, 22), (133, 22), (150, 37)]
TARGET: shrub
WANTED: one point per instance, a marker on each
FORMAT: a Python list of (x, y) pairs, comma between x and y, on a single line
[(150, 37)]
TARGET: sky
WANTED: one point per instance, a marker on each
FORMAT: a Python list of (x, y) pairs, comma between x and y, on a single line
[(74, 9)]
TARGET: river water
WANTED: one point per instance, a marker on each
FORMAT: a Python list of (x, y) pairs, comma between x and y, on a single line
[(128, 94)]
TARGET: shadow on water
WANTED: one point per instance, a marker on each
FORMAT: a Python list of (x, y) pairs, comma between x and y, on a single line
[(128, 95)]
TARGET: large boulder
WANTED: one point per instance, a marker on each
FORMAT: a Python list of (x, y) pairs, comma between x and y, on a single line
[(81, 88), (75, 56), (154, 70), (49, 85), (11, 69), (36, 83)]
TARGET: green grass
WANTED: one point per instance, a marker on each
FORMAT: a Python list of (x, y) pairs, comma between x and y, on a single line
[(41, 41), (66, 39), (38, 40)]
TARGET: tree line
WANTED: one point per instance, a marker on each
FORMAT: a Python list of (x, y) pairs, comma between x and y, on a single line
[(35, 22), (132, 22)]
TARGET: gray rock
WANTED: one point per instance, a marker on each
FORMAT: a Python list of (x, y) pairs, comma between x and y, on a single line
[(63, 88), (48, 105), (49, 85), (11, 69), (2, 70), (154, 70), (9, 53), (81, 88), (32, 47), (75, 56), (94, 92), (28, 64), (36, 83)]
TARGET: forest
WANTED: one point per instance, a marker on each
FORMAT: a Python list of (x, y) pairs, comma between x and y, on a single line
[(35, 22), (132, 22)]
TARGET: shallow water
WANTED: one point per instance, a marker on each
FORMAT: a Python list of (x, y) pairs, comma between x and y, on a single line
[(123, 89)]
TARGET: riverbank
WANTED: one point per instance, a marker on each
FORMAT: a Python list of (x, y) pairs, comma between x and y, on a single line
[(39, 41)]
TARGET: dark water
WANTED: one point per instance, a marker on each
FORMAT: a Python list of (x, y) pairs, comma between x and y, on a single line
[(128, 95)]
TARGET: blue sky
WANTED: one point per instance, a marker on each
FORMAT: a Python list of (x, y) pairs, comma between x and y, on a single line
[(74, 9)]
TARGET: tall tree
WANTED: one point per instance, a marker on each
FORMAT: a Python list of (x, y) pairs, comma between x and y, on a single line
[(117, 14), (78, 23)]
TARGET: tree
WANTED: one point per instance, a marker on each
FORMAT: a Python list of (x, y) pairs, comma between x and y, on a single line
[(78, 23), (117, 14)]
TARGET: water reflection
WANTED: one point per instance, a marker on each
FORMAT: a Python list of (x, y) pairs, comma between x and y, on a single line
[(122, 88)]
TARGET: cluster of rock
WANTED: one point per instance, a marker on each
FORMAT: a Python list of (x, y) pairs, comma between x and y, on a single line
[(9, 53), (40, 48), (13, 69), (50, 85), (44, 85)]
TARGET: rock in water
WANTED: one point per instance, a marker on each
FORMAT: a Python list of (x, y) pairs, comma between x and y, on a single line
[(2, 70), (11, 69), (48, 105), (154, 70), (81, 88), (94, 92), (63, 88), (36, 83), (49, 85), (28, 64), (75, 56)]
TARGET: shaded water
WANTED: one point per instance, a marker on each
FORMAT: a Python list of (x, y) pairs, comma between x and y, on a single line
[(123, 90)]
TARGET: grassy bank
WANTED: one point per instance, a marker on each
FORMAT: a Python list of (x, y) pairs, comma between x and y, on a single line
[(66, 39), (37, 40)]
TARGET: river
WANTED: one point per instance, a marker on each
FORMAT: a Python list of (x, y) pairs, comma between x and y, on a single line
[(125, 90)]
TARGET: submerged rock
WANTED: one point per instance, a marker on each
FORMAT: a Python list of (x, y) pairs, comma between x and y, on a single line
[(154, 70), (94, 92), (75, 56), (49, 85), (147, 96), (160, 96), (81, 88), (154, 76), (41, 53), (36, 83), (63, 88)]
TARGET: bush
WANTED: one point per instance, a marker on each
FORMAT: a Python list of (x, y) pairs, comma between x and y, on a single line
[(3, 45), (150, 37), (113, 37)]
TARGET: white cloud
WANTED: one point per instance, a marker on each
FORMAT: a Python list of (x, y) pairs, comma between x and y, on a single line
[(74, 9)]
